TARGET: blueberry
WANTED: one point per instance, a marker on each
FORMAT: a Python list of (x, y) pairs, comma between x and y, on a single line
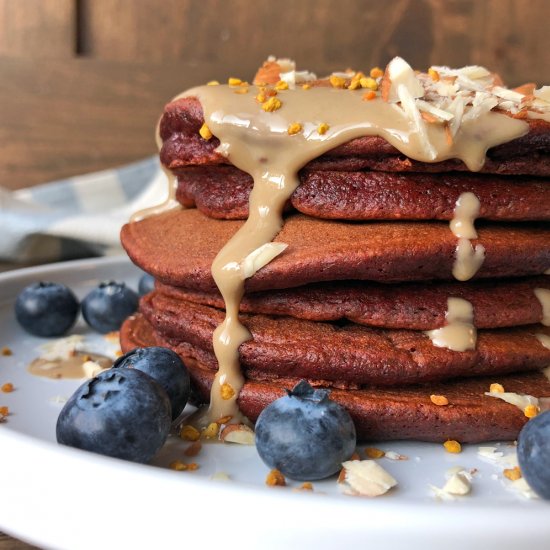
[(121, 413), (166, 367), (146, 284), (304, 434), (534, 454), (46, 309), (108, 305)]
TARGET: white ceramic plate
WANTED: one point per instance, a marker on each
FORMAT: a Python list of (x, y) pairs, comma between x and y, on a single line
[(59, 497)]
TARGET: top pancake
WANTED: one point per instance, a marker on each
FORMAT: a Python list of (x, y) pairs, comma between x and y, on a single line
[(178, 248), (183, 146)]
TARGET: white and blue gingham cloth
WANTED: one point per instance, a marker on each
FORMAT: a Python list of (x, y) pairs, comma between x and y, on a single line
[(77, 217)]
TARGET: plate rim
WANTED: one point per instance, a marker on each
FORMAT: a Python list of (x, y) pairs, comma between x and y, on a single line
[(441, 519)]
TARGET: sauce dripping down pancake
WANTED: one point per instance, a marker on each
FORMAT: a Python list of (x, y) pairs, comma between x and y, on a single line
[(265, 144)]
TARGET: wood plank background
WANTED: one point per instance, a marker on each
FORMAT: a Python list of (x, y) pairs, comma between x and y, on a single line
[(82, 81)]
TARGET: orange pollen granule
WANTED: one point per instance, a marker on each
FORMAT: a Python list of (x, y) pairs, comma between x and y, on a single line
[(512, 473), (211, 431), (189, 433), (275, 479), (531, 411), (205, 132), (337, 81), (227, 392), (369, 95), (440, 400), (434, 75), (452, 446), (373, 452), (496, 388), (294, 128), (369, 83), (323, 128), (7, 387), (376, 72), (272, 104), (180, 466)]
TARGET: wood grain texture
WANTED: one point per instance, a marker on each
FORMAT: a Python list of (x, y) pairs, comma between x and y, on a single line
[(84, 115), (509, 36), (9, 543), (37, 28), (69, 115)]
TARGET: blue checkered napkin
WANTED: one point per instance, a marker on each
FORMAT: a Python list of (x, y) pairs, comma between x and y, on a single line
[(76, 217)]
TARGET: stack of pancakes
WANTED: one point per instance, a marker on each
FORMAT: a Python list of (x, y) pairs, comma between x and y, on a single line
[(367, 272)]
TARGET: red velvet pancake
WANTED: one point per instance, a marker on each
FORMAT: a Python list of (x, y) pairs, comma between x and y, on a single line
[(385, 414), (416, 306), (178, 248), (223, 192)]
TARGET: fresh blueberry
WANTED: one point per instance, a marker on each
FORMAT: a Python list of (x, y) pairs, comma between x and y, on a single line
[(146, 284), (534, 454), (304, 434), (46, 309), (166, 367), (108, 305), (121, 413)]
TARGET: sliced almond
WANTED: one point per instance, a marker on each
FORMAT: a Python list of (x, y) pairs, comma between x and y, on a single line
[(426, 107), (474, 72), (400, 73), (507, 94), (92, 369), (392, 455), (543, 93), (220, 476), (261, 257), (62, 348), (297, 77), (238, 433), (410, 108), (367, 478), (519, 400), (458, 484)]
